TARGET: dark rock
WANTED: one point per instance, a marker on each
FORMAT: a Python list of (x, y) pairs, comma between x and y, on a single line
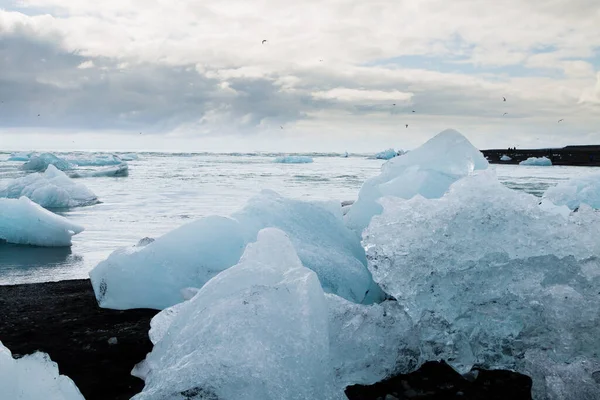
[(64, 320), (438, 381)]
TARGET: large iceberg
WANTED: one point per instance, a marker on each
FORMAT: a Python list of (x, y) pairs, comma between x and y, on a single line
[(293, 160), (42, 161), (96, 160), (24, 222), (33, 377), (576, 191), (152, 276), (50, 189), (537, 161), (258, 330), (427, 171), (490, 278)]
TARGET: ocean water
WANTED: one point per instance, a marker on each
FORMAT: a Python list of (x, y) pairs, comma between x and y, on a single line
[(164, 191)]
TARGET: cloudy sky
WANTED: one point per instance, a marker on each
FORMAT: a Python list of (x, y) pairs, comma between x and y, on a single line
[(194, 75)]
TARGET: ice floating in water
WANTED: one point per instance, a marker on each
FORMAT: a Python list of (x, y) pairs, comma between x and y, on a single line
[(96, 160), (129, 157), (293, 160), (428, 171), (537, 161), (115, 171), (153, 275), (491, 278), (33, 377), (41, 163), (24, 222), (23, 156), (386, 154), (576, 191), (51, 189), (505, 158), (258, 330)]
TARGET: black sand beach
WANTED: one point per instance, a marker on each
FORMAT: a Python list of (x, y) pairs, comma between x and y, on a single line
[(63, 320)]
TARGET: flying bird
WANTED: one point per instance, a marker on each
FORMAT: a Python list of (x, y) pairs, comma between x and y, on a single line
[(504, 114), (560, 120), (38, 115), (407, 125), (414, 111), (394, 104), (320, 60), (504, 98), (264, 41)]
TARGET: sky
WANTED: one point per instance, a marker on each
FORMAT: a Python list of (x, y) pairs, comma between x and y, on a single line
[(334, 75)]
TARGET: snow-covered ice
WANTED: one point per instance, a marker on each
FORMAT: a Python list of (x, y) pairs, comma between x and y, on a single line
[(111, 171), (427, 171), (293, 160), (576, 191), (386, 154), (153, 275), (50, 189), (258, 330), (505, 158), (25, 222), (42, 161), (95, 160), (489, 277), (537, 161), (33, 377)]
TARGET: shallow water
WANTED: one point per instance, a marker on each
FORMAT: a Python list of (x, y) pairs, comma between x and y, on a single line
[(164, 191)]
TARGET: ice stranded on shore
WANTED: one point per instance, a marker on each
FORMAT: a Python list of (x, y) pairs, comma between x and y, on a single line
[(33, 377), (427, 171), (152, 276), (258, 330), (492, 279)]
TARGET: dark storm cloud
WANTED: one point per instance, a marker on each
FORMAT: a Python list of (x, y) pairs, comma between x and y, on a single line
[(70, 91)]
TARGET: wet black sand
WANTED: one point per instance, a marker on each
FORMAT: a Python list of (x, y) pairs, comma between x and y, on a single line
[(63, 320)]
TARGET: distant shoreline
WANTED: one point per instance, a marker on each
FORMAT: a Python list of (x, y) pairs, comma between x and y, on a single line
[(582, 156)]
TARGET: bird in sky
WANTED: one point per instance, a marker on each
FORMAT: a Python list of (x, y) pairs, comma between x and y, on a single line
[(560, 120), (504, 114), (264, 41), (414, 111), (394, 104), (281, 126), (407, 125), (504, 98)]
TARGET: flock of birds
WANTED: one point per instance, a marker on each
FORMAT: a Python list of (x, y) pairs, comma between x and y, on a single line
[(394, 104)]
